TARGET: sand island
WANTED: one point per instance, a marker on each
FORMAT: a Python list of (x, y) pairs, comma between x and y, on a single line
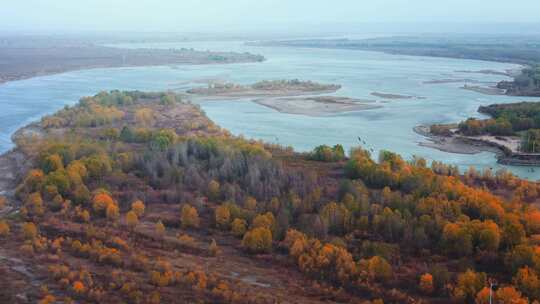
[(286, 96)]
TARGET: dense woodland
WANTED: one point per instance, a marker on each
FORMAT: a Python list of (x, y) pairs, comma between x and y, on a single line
[(139, 198)]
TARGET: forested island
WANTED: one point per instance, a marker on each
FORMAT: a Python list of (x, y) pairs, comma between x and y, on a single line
[(138, 197), (26, 58), (513, 128), (524, 50)]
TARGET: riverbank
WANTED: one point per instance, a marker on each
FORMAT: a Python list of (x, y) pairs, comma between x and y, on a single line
[(14, 164)]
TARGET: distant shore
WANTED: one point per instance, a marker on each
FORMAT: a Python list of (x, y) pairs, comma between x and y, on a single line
[(20, 63)]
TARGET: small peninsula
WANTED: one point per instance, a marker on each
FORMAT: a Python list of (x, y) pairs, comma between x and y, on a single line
[(512, 132)]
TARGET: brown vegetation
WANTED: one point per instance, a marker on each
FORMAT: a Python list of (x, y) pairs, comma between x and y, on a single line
[(139, 210)]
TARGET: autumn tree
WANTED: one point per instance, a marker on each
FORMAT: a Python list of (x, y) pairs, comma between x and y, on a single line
[(112, 212), (526, 279), (213, 190), (489, 236), (223, 217), (78, 287), (189, 217), (521, 256), (29, 231), (266, 220), (239, 227), (213, 249), (457, 240), (250, 203), (47, 299), (336, 217), (532, 218), (132, 219), (258, 240), (4, 228), (138, 207), (34, 204), (160, 229), (426, 283), (468, 285), (52, 163), (483, 296), (144, 116), (513, 232), (101, 201), (82, 215), (379, 269), (509, 295)]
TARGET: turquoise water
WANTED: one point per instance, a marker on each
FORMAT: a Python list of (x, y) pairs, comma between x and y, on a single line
[(359, 72)]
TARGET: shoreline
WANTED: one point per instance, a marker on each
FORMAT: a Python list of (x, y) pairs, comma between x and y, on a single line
[(37, 75), (489, 90), (450, 144), (13, 163)]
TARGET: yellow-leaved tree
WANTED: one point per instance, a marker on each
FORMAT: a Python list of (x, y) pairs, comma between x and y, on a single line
[(189, 217)]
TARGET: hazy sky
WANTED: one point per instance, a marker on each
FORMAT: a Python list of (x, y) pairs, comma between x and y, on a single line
[(204, 15)]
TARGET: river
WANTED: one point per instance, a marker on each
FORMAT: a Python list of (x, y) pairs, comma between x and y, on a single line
[(359, 72)]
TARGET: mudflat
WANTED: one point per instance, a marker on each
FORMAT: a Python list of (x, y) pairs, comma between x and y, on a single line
[(317, 106)]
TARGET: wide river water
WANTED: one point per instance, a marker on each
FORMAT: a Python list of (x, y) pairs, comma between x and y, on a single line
[(359, 72)]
